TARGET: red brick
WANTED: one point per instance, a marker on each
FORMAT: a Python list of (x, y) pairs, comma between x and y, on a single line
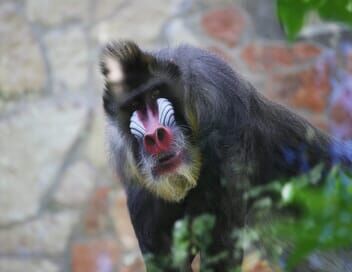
[(267, 57), (220, 53), (310, 97), (305, 51), (294, 75), (226, 25), (314, 90), (296, 92), (94, 256), (263, 58)]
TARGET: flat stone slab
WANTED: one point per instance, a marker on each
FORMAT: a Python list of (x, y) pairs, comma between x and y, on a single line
[(77, 185), (47, 235), (8, 265), (145, 28), (69, 58), (22, 68), (56, 12), (33, 144)]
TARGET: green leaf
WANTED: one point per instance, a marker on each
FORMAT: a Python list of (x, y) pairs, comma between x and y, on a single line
[(291, 15), (203, 224), (338, 11), (181, 242)]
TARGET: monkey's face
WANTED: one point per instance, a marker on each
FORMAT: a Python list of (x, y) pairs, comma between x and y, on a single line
[(166, 161), (143, 99)]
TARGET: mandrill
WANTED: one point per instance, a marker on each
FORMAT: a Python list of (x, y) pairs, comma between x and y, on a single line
[(188, 135)]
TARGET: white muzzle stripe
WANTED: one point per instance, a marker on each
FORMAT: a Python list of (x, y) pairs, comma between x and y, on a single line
[(166, 118), (166, 112), (136, 126)]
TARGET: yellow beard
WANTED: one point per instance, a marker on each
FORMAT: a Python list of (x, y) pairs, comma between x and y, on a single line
[(174, 187)]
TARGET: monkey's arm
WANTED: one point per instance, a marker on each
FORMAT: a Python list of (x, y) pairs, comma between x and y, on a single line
[(153, 220)]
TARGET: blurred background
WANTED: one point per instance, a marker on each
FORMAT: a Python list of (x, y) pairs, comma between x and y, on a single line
[(61, 208)]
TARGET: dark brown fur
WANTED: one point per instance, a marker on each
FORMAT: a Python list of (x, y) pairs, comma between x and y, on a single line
[(242, 138)]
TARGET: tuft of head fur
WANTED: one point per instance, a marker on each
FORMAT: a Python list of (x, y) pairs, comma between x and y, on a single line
[(122, 61), (113, 70), (125, 52)]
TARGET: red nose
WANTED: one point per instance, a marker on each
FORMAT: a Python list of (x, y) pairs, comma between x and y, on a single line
[(158, 141)]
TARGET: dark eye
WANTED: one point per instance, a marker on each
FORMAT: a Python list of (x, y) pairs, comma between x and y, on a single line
[(135, 105), (155, 94)]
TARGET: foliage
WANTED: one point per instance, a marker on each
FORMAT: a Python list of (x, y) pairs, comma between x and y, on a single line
[(321, 204), (193, 237), (189, 237), (292, 13), (321, 221), (326, 218)]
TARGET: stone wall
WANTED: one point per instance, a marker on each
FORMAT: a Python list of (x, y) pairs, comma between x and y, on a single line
[(61, 208)]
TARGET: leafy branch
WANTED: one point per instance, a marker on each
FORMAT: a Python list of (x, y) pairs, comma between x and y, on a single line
[(292, 13)]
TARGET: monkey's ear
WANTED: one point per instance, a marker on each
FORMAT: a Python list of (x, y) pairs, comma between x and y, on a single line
[(123, 59)]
